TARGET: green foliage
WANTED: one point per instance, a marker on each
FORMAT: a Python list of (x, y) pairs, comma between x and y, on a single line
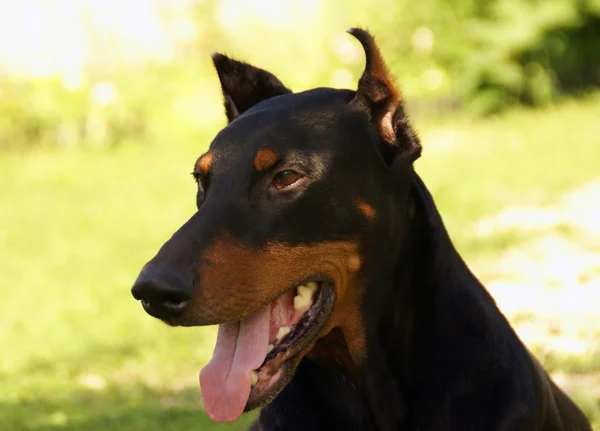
[(480, 56), (45, 113), (527, 51), (100, 114), (497, 53)]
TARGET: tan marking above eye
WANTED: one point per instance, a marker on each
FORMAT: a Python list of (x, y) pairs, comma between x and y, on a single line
[(367, 210), (204, 162), (265, 159)]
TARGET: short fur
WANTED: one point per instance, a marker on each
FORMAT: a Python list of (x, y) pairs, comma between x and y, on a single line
[(415, 342)]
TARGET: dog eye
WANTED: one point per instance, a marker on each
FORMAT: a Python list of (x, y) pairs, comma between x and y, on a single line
[(285, 179), (200, 180)]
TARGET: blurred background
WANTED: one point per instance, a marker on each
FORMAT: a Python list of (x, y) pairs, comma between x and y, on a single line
[(105, 105)]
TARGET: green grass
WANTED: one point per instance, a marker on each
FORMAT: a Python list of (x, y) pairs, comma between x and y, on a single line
[(526, 157), (75, 228)]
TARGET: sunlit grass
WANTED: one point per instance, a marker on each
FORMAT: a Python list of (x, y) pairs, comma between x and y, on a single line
[(525, 157), (75, 228)]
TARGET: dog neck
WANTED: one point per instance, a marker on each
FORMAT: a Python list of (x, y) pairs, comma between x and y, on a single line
[(399, 299), (424, 264)]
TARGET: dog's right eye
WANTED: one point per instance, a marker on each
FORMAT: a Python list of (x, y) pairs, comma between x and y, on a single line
[(201, 181)]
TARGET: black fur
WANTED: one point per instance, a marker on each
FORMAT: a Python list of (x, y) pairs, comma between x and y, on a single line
[(243, 85), (439, 354)]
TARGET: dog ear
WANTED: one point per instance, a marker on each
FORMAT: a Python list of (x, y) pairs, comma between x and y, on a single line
[(244, 85), (378, 95)]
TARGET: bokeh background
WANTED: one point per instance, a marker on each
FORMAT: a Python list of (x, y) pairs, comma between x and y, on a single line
[(105, 105)]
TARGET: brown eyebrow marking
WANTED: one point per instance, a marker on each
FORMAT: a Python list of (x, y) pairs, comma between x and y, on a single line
[(265, 159), (203, 163), (367, 210)]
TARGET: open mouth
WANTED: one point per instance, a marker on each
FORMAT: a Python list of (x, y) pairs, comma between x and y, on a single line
[(312, 303), (254, 358)]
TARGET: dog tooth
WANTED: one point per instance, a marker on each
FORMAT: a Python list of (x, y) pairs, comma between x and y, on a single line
[(253, 378), (302, 302), (304, 291), (283, 331), (312, 286), (270, 348)]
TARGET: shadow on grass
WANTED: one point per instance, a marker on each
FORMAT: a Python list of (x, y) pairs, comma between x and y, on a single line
[(132, 408), (139, 408), (63, 404), (51, 393)]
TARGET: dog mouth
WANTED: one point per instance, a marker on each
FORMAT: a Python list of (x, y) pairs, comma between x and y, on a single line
[(312, 304), (256, 357)]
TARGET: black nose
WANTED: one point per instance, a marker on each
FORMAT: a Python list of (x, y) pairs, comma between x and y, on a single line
[(163, 292)]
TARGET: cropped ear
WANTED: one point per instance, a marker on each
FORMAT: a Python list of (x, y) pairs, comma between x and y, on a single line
[(378, 95), (244, 85)]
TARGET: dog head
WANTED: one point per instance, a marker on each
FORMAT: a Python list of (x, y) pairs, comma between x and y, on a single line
[(297, 197)]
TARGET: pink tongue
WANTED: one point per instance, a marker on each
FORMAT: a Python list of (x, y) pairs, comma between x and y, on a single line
[(225, 381)]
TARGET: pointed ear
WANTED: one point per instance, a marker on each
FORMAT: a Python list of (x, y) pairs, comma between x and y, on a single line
[(244, 85), (379, 96)]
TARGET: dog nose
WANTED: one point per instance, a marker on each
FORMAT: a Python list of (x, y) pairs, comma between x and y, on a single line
[(163, 292)]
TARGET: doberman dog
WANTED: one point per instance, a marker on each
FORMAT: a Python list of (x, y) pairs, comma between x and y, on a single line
[(341, 301)]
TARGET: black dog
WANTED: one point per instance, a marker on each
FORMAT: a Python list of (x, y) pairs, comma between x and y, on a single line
[(341, 300)]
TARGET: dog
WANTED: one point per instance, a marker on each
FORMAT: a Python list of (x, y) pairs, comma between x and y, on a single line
[(341, 301)]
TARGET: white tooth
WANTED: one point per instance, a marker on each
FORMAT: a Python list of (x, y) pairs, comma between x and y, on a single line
[(312, 286), (303, 291), (302, 302), (270, 347), (253, 377), (283, 331)]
